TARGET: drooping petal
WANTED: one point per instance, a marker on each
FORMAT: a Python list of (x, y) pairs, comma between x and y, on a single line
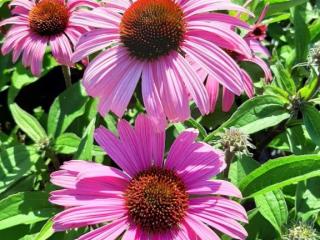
[(217, 64), (193, 83), (151, 95), (227, 100), (193, 7), (61, 49), (172, 91), (212, 87)]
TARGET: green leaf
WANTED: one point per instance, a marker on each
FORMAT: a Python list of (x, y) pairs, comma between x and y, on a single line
[(22, 77), (280, 172), (277, 6), (3, 2), (28, 123), (258, 227), (46, 231), (68, 143), (255, 115), (308, 199), (25, 208), (302, 34), (273, 208), (311, 119), (240, 168), (194, 124), (314, 29), (283, 78), (70, 105), (16, 163), (310, 87), (299, 140), (86, 145)]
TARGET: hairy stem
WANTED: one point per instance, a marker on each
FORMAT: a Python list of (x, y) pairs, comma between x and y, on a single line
[(67, 75), (228, 156)]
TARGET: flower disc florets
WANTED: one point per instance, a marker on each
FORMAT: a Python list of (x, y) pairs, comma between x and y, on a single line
[(152, 28), (156, 200), (49, 17)]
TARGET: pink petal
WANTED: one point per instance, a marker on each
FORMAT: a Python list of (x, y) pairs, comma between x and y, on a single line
[(213, 92), (61, 49), (202, 230), (217, 187), (216, 63), (73, 4), (28, 5), (193, 83), (231, 40), (76, 217), (218, 18), (130, 142), (151, 142), (181, 143), (219, 206), (109, 232), (100, 17), (223, 224), (116, 150), (81, 197), (173, 94), (193, 7), (227, 100), (247, 84), (94, 41), (151, 95)]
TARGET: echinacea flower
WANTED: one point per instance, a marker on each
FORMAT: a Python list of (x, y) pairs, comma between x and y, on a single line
[(159, 41), (254, 40), (151, 198), (36, 24)]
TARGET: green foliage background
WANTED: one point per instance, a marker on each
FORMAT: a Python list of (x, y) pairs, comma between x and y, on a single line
[(280, 181)]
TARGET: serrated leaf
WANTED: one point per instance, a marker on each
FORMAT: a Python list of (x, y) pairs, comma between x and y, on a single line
[(25, 208), (273, 208), (68, 106), (28, 123), (280, 172)]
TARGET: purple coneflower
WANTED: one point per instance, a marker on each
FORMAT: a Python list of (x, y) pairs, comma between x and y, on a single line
[(36, 24), (151, 198), (158, 41)]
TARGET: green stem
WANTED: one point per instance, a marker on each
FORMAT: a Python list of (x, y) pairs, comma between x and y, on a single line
[(54, 159), (67, 75), (228, 156)]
